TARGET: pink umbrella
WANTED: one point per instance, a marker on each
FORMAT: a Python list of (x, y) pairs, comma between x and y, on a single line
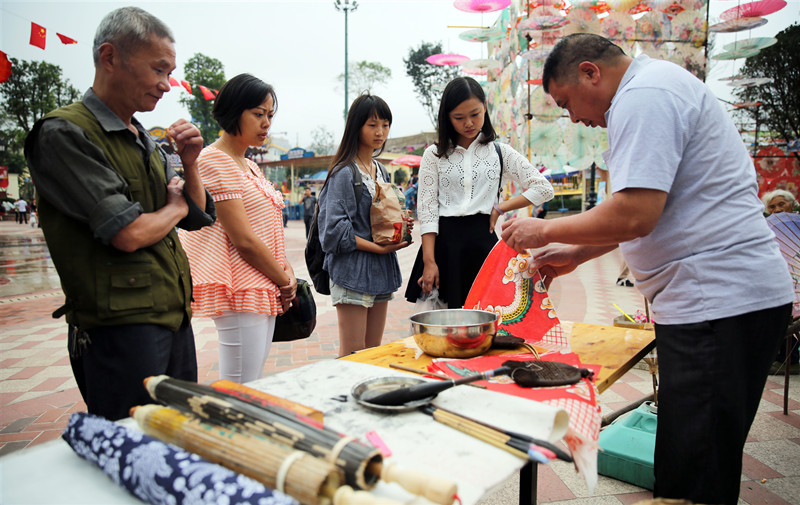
[(481, 5), (446, 59), (409, 160), (753, 9), (737, 25)]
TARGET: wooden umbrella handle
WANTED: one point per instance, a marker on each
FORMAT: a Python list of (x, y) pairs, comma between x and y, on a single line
[(436, 489), (346, 496)]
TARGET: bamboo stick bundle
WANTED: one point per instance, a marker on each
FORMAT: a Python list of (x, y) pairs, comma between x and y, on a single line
[(300, 475), (251, 395), (361, 464)]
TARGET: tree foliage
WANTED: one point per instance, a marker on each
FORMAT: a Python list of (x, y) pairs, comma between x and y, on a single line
[(209, 72), (429, 80), (322, 141), (780, 110), (33, 89), (363, 76)]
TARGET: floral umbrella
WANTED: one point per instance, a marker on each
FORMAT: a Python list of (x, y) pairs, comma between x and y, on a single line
[(748, 82), (543, 18), (537, 53), (481, 35), (446, 59), (753, 9), (543, 107), (734, 55), (481, 5), (545, 138), (481, 66), (737, 25), (582, 20), (651, 27), (751, 43), (690, 26), (409, 160)]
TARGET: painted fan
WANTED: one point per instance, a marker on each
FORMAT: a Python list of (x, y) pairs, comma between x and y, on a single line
[(786, 227)]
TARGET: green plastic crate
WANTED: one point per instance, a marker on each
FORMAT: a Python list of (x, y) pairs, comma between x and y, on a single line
[(627, 446)]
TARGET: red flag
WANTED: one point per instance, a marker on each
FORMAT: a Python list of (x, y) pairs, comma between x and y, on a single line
[(173, 82), (187, 86), (66, 40), (38, 35), (5, 67), (207, 94)]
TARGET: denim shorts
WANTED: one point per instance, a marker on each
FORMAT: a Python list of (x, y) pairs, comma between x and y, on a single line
[(350, 297)]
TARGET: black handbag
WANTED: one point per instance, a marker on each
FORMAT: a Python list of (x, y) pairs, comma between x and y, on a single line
[(300, 320)]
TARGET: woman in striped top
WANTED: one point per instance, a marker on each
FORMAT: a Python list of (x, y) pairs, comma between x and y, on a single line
[(240, 273)]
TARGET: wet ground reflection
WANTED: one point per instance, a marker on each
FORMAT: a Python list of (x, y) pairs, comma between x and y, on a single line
[(25, 266)]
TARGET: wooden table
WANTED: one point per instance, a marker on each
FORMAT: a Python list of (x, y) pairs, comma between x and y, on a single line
[(616, 349)]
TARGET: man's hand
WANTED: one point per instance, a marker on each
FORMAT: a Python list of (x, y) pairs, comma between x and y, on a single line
[(175, 195), (555, 261), (524, 233), (189, 141)]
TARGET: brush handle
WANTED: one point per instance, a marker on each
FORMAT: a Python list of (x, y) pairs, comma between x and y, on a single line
[(409, 394), (346, 496), (437, 490)]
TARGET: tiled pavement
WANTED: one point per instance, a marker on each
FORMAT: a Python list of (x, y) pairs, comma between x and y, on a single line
[(38, 393)]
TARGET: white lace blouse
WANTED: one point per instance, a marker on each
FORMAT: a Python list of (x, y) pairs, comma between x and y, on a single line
[(466, 182)]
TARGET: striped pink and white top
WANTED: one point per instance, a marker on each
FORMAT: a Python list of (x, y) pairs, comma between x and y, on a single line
[(222, 280)]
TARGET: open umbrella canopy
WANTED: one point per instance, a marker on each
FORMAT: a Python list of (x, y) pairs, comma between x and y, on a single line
[(545, 138), (409, 160)]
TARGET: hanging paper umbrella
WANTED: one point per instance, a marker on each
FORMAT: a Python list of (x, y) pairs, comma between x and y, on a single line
[(751, 43), (543, 107), (538, 53), (408, 160), (786, 227), (673, 9), (737, 25), (543, 18), (731, 78), (481, 66), (753, 9), (748, 82), (582, 20), (639, 8), (621, 29), (581, 141), (481, 5), (481, 35), (446, 59), (689, 26), (651, 27), (734, 55), (545, 138), (622, 5), (747, 105)]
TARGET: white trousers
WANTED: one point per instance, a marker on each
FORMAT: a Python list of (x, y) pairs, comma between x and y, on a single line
[(244, 342)]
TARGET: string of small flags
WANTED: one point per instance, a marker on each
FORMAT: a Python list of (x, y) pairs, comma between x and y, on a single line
[(39, 39)]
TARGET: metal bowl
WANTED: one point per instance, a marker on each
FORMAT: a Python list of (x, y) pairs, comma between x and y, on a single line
[(454, 333), (369, 388)]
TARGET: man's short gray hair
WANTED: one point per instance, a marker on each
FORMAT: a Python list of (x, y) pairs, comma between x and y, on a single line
[(128, 29), (562, 63)]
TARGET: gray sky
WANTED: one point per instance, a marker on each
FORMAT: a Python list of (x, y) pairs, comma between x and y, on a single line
[(297, 46)]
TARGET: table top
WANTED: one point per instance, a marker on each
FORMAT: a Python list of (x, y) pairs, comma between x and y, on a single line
[(616, 349)]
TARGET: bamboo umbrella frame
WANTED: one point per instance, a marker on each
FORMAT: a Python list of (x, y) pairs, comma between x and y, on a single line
[(361, 464), (310, 480)]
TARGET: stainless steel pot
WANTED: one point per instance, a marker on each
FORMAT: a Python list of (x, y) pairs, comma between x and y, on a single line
[(454, 333)]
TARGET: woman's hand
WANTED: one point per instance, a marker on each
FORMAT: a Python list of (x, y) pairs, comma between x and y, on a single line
[(493, 217), (288, 292), (430, 278)]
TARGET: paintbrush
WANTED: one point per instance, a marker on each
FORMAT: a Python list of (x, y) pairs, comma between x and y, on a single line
[(404, 395), (521, 437), (434, 374), (488, 435)]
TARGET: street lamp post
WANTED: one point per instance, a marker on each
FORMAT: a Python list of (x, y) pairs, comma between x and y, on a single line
[(346, 6)]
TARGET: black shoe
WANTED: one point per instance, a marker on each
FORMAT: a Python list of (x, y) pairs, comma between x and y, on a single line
[(624, 282)]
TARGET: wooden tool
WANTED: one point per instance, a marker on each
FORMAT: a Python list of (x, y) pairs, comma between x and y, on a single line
[(251, 395), (434, 374), (417, 392)]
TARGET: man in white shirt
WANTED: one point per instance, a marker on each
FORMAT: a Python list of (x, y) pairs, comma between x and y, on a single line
[(22, 211), (686, 215)]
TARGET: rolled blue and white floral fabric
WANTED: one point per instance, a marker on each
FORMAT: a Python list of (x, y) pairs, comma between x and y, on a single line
[(159, 473)]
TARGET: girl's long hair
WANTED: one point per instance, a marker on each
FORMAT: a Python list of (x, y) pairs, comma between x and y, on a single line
[(363, 108), (457, 91)]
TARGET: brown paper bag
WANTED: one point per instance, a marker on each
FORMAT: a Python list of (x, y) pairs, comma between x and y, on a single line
[(388, 215)]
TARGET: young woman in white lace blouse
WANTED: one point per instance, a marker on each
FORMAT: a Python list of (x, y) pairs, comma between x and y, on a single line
[(457, 200)]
